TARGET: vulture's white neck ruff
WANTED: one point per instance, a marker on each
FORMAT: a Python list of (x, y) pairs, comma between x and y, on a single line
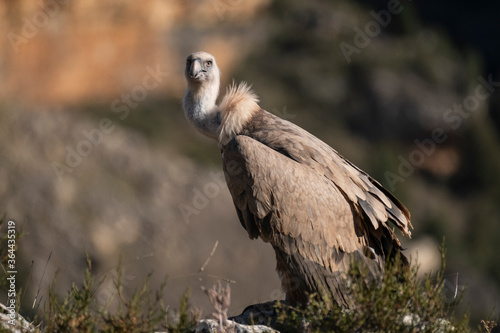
[(237, 107)]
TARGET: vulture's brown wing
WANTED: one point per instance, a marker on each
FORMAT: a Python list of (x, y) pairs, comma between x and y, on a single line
[(276, 196), (312, 205), (366, 195), (302, 214)]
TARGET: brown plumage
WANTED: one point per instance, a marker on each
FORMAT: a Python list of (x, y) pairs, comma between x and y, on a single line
[(317, 209)]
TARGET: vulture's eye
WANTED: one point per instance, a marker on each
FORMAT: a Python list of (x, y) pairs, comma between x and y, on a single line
[(209, 63)]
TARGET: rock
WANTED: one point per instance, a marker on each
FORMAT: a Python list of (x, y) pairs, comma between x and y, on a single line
[(414, 321), (212, 326), (443, 325), (411, 320), (16, 325), (260, 314)]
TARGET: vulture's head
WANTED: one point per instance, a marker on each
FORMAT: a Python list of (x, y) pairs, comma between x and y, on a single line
[(201, 69), (199, 103)]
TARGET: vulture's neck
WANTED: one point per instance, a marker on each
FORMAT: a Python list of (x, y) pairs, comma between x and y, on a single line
[(200, 108)]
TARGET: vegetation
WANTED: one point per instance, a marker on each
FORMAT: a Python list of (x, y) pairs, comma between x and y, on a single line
[(398, 302), (80, 310), (144, 311)]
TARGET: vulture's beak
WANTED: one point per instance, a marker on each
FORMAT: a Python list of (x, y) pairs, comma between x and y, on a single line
[(195, 68)]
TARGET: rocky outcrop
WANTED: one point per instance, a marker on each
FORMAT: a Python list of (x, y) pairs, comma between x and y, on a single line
[(258, 314), (13, 322), (212, 326)]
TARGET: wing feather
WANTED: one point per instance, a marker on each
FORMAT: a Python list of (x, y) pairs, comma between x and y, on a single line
[(316, 217), (316, 208), (355, 184)]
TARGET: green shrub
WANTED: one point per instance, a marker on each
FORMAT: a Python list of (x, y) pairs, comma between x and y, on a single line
[(144, 311), (398, 302)]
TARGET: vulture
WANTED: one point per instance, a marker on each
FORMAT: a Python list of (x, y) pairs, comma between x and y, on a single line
[(317, 210)]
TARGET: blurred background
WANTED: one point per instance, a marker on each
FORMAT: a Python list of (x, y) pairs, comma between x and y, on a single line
[(96, 155)]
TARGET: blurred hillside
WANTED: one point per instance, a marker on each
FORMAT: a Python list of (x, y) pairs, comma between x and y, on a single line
[(97, 156)]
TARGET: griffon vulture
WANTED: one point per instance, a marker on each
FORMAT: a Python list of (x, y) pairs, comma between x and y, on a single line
[(318, 210)]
